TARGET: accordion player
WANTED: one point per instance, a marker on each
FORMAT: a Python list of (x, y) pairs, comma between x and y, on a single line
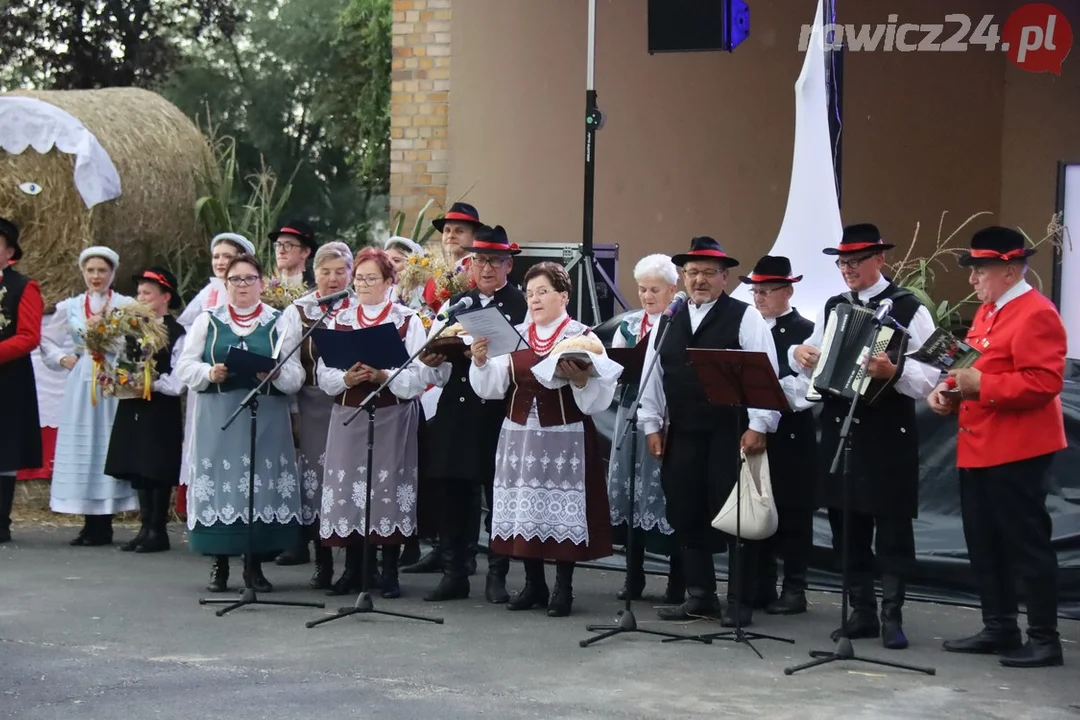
[(853, 332)]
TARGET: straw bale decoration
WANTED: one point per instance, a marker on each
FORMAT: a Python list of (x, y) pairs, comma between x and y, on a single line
[(117, 167)]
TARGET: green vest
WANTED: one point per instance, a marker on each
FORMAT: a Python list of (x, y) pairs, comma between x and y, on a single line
[(220, 337)]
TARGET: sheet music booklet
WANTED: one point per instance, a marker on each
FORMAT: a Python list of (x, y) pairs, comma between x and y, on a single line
[(945, 351)]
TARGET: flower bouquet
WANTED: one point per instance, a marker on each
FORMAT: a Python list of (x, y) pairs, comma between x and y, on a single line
[(122, 343), (439, 276), (279, 294)]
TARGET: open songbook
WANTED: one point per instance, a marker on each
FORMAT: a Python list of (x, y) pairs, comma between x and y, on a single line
[(945, 351)]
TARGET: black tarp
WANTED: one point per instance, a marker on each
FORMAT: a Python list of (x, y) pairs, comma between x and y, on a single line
[(942, 572)]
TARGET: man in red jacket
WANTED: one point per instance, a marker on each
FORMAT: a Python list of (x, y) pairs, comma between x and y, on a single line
[(20, 333), (1011, 424)]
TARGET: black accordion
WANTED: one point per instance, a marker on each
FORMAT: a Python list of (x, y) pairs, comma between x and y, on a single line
[(849, 332)]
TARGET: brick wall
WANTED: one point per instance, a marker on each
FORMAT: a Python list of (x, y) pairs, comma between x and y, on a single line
[(420, 86)]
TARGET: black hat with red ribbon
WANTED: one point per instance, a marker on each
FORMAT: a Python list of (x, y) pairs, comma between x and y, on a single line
[(459, 212), (298, 229), (996, 244), (860, 238), (771, 269), (492, 241), (10, 231), (705, 248), (163, 279)]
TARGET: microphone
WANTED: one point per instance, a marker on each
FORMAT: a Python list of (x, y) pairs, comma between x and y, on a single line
[(676, 305), (883, 311), (463, 304), (333, 297)]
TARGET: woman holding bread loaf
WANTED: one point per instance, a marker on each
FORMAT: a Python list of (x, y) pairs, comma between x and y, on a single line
[(550, 498), (657, 280)]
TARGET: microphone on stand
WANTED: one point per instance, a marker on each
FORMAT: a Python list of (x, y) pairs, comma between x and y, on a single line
[(882, 311), (463, 304), (676, 305), (333, 297)]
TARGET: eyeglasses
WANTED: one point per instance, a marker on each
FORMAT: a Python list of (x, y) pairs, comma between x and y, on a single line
[(853, 263), (242, 280), (368, 279), (539, 294), (286, 246), (695, 274), (487, 261), (763, 292)]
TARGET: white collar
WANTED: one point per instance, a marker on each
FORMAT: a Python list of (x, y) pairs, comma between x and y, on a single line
[(492, 295), (1011, 294), (703, 307), (771, 322), (370, 310), (874, 290), (551, 325)]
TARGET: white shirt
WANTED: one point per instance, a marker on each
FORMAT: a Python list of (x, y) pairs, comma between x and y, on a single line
[(169, 383), (211, 296), (795, 386), (917, 380), (754, 336), (1011, 294)]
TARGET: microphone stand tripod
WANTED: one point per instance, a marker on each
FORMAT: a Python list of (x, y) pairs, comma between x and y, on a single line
[(251, 402), (364, 604), (842, 463), (625, 622), (735, 570)]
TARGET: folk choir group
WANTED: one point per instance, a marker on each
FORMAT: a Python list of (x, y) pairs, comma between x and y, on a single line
[(517, 429)]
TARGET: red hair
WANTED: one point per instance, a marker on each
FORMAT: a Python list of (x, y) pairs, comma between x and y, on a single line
[(381, 260)]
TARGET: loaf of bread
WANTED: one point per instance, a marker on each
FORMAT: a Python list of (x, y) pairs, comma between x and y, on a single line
[(453, 331), (588, 342)]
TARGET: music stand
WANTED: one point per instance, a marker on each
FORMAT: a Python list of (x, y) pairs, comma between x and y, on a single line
[(739, 380), (251, 402), (842, 463), (633, 361), (364, 605)]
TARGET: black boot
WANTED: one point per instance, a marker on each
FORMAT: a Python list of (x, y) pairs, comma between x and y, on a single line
[(7, 501), (101, 531), (742, 596), (471, 552), (990, 640), (454, 584), (765, 577), (495, 587), (85, 533), (429, 563), (410, 552), (146, 507), (352, 577), (390, 586), (701, 586), (535, 593), (323, 576), (892, 617), (562, 597), (675, 592), (1043, 648), (792, 600), (219, 574), (255, 578), (863, 620), (634, 583), (157, 540)]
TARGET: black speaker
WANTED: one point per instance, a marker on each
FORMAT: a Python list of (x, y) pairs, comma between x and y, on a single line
[(606, 255), (697, 25)]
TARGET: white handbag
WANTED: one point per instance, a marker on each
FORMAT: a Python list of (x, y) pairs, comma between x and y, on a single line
[(754, 490)]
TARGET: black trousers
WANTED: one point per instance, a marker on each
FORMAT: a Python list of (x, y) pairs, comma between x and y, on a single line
[(1008, 529), (793, 542), (893, 539)]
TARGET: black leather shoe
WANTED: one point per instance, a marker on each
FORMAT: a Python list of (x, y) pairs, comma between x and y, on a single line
[(294, 557), (892, 632), (746, 615), (986, 642), (1035, 654), (692, 609), (219, 575), (258, 581), (860, 624), (495, 584), (529, 597), (431, 563), (789, 603), (561, 600), (155, 541), (450, 587), (133, 544), (323, 577)]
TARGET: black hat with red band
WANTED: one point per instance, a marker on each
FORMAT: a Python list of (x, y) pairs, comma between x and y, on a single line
[(492, 241), (860, 238), (163, 279), (995, 245), (459, 212), (298, 229), (771, 269), (10, 231), (705, 248)]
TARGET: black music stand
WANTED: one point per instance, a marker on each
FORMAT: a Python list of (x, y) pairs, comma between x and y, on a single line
[(842, 463), (739, 380), (633, 362), (364, 605), (251, 402)]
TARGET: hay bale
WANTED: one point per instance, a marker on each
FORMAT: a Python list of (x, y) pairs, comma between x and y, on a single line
[(159, 154)]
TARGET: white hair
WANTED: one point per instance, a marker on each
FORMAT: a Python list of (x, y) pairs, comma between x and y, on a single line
[(659, 266), (333, 251)]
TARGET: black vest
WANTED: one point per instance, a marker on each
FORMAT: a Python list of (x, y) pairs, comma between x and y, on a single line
[(885, 446), (465, 430), (792, 448), (20, 441), (688, 408)]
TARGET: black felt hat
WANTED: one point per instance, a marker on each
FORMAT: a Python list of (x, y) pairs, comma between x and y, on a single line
[(459, 212), (164, 279), (771, 269), (858, 239), (299, 229), (996, 244), (492, 241), (10, 231), (705, 248)]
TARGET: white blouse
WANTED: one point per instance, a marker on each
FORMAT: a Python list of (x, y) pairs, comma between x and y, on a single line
[(53, 347), (409, 383), (492, 381), (210, 297), (195, 373)]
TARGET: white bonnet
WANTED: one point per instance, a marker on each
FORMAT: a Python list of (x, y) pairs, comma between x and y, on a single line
[(100, 251), (404, 242), (240, 240)]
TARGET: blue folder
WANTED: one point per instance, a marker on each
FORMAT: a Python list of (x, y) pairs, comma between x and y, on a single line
[(379, 347), (247, 364)]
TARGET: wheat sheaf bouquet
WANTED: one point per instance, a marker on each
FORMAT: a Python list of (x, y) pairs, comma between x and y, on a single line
[(436, 265), (122, 343), (279, 294)]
